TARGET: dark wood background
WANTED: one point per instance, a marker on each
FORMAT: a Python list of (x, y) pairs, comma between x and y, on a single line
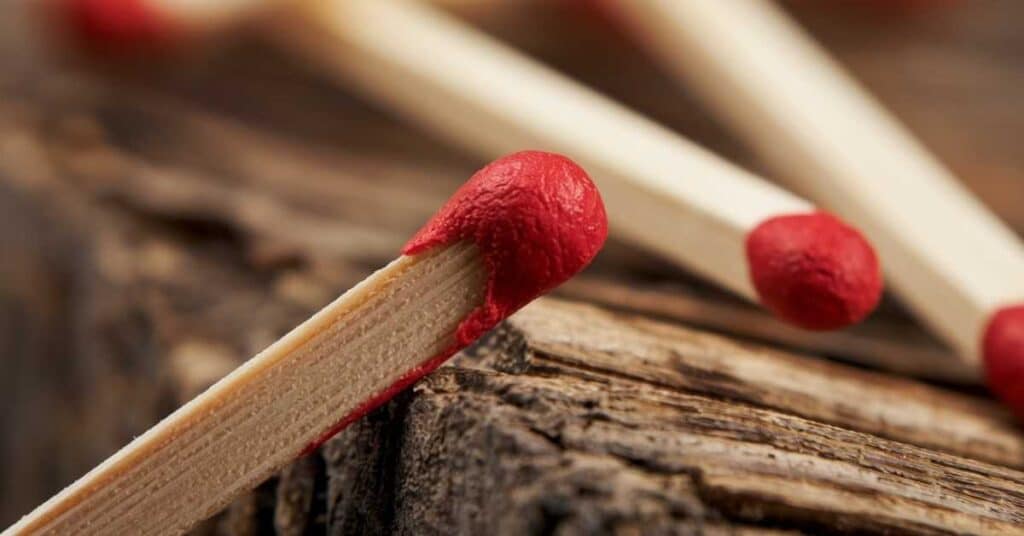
[(160, 224)]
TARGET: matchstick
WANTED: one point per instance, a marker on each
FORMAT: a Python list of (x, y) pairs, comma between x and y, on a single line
[(518, 228), (953, 262), (663, 192)]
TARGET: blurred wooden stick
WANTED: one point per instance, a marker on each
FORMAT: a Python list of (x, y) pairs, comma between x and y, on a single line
[(662, 191)]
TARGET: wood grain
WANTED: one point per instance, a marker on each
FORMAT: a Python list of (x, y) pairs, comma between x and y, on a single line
[(606, 445), (886, 341), (686, 360)]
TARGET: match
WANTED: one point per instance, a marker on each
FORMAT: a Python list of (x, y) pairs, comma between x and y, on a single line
[(953, 262), (518, 228), (106, 25), (663, 192)]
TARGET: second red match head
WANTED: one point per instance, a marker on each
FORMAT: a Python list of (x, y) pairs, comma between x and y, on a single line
[(814, 270), (113, 26), (1003, 357)]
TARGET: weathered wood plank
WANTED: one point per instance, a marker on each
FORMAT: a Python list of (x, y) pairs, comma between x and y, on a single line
[(578, 338), (888, 340), (599, 446)]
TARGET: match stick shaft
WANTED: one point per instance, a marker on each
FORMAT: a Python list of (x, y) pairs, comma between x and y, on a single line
[(264, 414), (947, 256), (662, 191)]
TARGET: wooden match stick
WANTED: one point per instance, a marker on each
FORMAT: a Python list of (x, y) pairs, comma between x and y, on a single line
[(518, 228), (662, 191), (956, 264)]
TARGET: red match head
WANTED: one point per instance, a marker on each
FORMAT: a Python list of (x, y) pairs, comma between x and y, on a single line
[(813, 270), (115, 26), (536, 218), (1003, 357)]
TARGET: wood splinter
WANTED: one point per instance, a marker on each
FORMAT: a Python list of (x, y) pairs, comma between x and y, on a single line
[(518, 228)]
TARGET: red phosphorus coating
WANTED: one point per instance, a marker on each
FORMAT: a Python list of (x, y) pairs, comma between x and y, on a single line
[(813, 270), (117, 25), (536, 219), (1003, 357)]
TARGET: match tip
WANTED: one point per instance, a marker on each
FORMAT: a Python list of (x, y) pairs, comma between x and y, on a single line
[(1003, 355), (114, 26), (813, 270), (537, 220)]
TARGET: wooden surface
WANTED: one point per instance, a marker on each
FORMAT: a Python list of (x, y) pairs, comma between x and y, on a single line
[(636, 428), (159, 229)]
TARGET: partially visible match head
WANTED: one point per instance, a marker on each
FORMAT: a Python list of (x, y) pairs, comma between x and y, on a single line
[(813, 270), (537, 220), (1003, 357), (115, 26)]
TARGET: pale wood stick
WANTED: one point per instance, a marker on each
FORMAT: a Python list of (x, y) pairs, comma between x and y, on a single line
[(947, 256), (265, 413), (662, 191)]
